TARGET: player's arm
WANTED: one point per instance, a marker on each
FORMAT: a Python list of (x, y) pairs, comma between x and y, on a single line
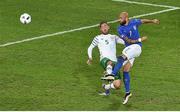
[(123, 35), (130, 41), (119, 40), (146, 21), (90, 49)]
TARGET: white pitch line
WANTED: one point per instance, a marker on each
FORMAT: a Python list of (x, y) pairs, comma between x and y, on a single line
[(148, 4), (79, 29), (148, 14), (48, 35)]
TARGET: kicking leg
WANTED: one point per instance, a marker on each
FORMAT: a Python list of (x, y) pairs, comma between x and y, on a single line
[(119, 64)]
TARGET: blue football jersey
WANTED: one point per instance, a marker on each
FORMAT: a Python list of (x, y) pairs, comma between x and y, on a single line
[(130, 31)]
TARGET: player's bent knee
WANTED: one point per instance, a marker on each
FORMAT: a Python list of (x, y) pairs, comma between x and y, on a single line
[(127, 67), (109, 63)]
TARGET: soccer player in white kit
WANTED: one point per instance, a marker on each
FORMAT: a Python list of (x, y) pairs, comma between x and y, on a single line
[(106, 44)]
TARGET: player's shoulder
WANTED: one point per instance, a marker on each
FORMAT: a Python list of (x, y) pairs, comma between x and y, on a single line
[(113, 35), (121, 28), (101, 36), (134, 20), (98, 36)]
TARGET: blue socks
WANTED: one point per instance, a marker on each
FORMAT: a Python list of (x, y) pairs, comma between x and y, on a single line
[(118, 65), (107, 91), (126, 79)]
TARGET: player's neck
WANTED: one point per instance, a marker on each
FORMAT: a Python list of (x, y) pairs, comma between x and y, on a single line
[(127, 22), (104, 33)]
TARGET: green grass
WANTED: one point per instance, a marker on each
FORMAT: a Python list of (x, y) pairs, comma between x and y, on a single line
[(51, 73)]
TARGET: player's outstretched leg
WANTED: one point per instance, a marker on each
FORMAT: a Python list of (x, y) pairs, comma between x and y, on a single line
[(118, 65), (116, 69)]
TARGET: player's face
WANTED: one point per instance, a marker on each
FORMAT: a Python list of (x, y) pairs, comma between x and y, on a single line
[(104, 28), (123, 19)]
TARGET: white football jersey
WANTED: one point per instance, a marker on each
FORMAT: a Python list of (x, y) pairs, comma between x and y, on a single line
[(106, 45)]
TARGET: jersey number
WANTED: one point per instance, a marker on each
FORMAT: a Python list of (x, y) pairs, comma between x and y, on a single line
[(130, 33), (106, 42)]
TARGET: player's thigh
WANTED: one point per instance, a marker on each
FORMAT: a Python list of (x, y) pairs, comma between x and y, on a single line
[(132, 51), (117, 83)]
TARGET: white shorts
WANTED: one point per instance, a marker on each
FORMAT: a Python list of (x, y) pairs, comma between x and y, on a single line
[(131, 61), (132, 51)]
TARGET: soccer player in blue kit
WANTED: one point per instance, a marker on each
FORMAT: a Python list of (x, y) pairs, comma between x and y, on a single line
[(128, 31)]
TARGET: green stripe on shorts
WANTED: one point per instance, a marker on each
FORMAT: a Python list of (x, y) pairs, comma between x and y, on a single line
[(104, 62)]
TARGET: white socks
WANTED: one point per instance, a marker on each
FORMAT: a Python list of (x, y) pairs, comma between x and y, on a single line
[(109, 69), (109, 86)]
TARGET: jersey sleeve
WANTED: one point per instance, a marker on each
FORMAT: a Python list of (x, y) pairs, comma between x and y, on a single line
[(137, 22), (92, 46), (119, 40), (95, 42), (122, 33)]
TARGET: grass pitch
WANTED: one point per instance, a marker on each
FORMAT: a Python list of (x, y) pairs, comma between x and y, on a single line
[(51, 73)]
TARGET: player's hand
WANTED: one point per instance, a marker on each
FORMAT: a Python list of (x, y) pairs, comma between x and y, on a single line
[(143, 38), (89, 61), (156, 21)]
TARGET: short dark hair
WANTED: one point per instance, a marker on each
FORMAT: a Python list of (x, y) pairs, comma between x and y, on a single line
[(102, 22)]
